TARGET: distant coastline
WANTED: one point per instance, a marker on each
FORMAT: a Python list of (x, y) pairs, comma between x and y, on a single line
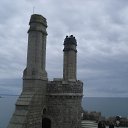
[(1, 95), (7, 95)]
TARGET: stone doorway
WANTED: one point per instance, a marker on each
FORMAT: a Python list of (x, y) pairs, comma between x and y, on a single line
[(46, 123)]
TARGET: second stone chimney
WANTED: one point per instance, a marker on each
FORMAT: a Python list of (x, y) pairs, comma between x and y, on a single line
[(70, 59)]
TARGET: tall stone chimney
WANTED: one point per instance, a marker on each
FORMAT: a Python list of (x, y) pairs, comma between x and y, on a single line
[(70, 59), (29, 106), (36, 55)]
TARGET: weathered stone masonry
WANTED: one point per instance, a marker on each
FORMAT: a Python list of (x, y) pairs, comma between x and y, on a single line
[(43, 103)]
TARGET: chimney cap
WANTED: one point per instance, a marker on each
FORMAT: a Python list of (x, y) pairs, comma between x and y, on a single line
[(70, 40), (36, 18)]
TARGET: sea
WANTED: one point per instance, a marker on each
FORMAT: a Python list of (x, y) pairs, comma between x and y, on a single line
[(107, 106)]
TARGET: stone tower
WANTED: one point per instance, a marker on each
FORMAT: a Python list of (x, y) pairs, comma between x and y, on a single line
[(69, 67), (36, 56), (43, 103)]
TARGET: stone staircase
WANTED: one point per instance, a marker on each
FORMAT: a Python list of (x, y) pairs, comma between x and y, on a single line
[(89, 124)]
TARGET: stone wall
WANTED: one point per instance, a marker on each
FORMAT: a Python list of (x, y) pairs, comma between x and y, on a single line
[(64, 104), (29, 106), (61, 86)]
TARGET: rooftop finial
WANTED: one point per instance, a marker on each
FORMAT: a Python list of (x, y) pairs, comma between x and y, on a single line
[(33, 9)]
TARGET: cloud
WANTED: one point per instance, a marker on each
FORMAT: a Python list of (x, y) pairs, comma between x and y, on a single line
[(100, 28)]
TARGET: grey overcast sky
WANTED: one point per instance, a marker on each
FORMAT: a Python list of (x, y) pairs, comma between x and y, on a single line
[(101, 30)]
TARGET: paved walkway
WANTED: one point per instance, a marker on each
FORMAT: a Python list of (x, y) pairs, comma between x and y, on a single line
[(89, 124), (92, 124)]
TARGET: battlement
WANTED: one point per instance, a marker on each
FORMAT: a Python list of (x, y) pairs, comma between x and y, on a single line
[(70, 40), (65, 87)]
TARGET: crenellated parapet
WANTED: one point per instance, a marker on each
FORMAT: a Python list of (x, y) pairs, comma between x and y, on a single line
[(70, 40), (65, 88)]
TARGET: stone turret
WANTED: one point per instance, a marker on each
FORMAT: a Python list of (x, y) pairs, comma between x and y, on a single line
[(70, 59), (36, 55)]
